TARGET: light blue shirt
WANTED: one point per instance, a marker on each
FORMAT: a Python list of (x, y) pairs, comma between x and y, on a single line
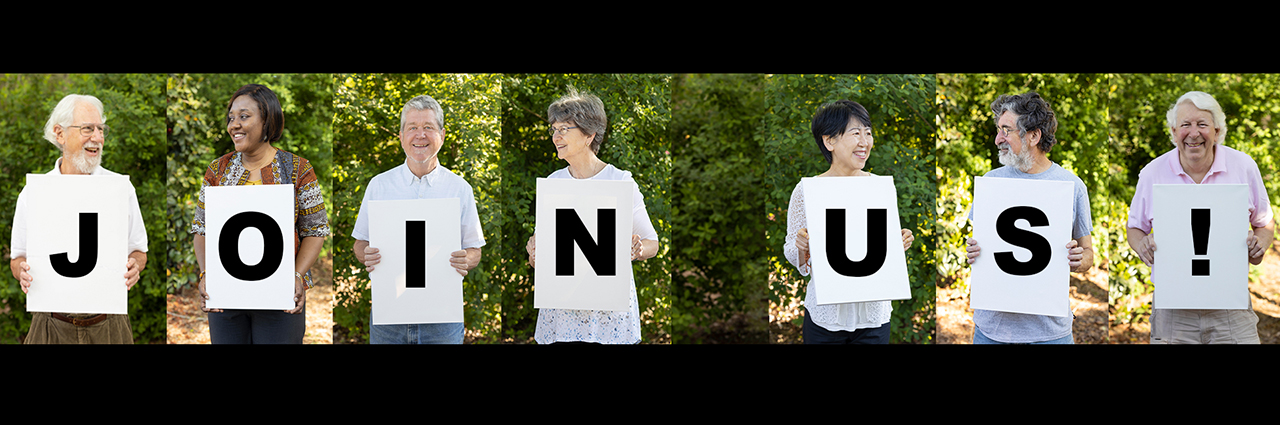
[(1025, 328)]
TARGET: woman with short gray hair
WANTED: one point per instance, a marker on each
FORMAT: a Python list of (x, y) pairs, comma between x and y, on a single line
[(578, 124)]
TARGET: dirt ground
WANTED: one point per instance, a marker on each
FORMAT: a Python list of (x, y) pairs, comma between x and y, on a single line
[(1264, 294), (1088, 301), (1088, 304), (188, 325)]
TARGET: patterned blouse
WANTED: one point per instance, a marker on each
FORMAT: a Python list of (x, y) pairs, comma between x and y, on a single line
[(309, 217)]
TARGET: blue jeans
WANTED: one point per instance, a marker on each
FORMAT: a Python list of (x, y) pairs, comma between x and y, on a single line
[(815, 334), (979, 338), (422, 333)]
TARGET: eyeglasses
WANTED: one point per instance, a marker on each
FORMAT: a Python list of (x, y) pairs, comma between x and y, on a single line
[(89, 129), (561, 131), (1004, 131), (413, 129)]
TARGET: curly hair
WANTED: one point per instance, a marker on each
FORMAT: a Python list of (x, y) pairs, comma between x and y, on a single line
[(1033, 113)]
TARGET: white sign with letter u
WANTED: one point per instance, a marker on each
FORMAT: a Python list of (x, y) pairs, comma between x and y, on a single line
[(583, 240)]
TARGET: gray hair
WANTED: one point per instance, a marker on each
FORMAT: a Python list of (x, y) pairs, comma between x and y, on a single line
[(584, 110), (63, 114), (422, 103), (1204, 102), (1033, 113)]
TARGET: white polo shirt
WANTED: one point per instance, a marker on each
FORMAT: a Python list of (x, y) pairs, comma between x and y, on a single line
[(137, 231)]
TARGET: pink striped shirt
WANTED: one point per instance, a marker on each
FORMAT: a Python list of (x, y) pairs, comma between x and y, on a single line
[(1230, 166)]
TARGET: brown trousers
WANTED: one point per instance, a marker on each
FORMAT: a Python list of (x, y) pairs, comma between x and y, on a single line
[(45, 329)]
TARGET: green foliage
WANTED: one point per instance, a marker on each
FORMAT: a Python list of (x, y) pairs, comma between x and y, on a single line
[(965, 146), (901, 109), (720, 276), (134, 106), (197, 135), (635, 140), (367, 143), (1137, 105)]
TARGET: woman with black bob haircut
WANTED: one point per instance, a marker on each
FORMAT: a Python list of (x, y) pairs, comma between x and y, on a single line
[(255, 120), (577, 130), (842, 131)]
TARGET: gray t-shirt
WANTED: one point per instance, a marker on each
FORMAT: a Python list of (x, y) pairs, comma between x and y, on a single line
[(1020, 327)]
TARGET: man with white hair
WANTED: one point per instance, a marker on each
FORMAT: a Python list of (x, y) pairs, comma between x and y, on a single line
[(1198, 128), (78, 129), (1025, 127), (421, 177)]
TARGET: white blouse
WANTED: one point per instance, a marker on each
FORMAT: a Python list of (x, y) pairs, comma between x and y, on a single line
[(832, 317), (602, 326)]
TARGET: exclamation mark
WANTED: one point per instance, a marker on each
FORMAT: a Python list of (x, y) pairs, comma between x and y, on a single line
[(1200, 240)]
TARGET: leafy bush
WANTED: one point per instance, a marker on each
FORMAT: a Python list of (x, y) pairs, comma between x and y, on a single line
[(134, 106), (902, 113), (367, 143)]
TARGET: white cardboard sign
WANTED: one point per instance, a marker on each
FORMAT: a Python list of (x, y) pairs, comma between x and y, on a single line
[(1202, 260), (854, 257), (1023, 227), (581, 265), (422, 233), (76, 268), (253, 226)]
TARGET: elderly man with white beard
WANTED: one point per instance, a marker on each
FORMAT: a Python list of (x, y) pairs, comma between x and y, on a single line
[(77, 127), (1198, 128), (1025, 127)]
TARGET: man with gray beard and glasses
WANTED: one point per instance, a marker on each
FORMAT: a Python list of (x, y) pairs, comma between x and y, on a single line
[(1025, 126), (77, 127)]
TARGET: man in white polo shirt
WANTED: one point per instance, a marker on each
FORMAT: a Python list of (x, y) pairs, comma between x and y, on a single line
[(421, 177), (76, 126)]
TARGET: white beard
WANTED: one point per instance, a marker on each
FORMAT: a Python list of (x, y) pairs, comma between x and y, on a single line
[(84, 164), (1022, 160)]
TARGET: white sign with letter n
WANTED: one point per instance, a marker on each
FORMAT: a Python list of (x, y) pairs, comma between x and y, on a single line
[(583, 240)]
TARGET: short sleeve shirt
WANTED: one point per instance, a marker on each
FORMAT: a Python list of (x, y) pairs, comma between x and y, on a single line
[(400, 183), (137, 231), (606, 327), (1026, 328)]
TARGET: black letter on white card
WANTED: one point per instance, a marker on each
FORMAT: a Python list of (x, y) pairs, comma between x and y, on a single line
[(876, 249), (570, 230), (229, 246), (1041, 251), (88, 250), (415, 244)]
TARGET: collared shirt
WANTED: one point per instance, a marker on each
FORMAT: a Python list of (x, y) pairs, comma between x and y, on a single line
[(400, 183), (137, 231), (1229, 166)]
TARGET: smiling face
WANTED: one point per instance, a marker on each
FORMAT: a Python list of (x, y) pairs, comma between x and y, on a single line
[(573, 143), (1015, 150), (421, 139), (1195, 134), (245, 123), (851, 149), (81, 153)]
